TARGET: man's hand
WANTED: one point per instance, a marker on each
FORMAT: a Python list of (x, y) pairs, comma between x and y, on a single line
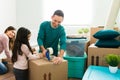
[(57, 60), (44, 52)]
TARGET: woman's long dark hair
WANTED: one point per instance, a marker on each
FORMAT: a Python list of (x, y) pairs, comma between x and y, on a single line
[(21, 38), (11, 40)]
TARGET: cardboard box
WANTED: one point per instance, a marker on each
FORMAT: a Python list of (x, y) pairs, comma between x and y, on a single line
[(86, 46), (93, 30), (42, 69), (96, 55)]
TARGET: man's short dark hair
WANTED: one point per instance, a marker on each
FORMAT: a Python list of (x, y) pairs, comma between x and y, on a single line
[(59, 13)]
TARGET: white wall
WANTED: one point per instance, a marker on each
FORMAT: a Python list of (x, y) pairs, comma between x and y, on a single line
[(100, 10), (112, 14), (118, 19), (7, 14), (29, 15)]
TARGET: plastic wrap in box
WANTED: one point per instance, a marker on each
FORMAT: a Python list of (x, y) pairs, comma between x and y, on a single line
[(75, 47)]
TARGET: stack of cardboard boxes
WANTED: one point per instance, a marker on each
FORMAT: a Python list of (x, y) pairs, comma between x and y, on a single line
[(95, 54)]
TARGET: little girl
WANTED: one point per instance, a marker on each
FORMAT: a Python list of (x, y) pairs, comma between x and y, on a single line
[(22, 52)]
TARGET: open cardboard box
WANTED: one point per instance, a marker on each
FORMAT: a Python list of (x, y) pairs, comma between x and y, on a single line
[(96, 55)]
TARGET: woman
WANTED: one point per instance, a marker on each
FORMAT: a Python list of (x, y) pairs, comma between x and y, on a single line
[(22, 52), (6, 42)]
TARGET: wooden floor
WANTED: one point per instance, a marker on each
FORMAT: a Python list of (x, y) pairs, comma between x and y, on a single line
[(10, 76), (7, 76), (74, 79)]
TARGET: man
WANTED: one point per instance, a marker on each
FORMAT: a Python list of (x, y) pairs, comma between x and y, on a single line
[(52, 34)]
